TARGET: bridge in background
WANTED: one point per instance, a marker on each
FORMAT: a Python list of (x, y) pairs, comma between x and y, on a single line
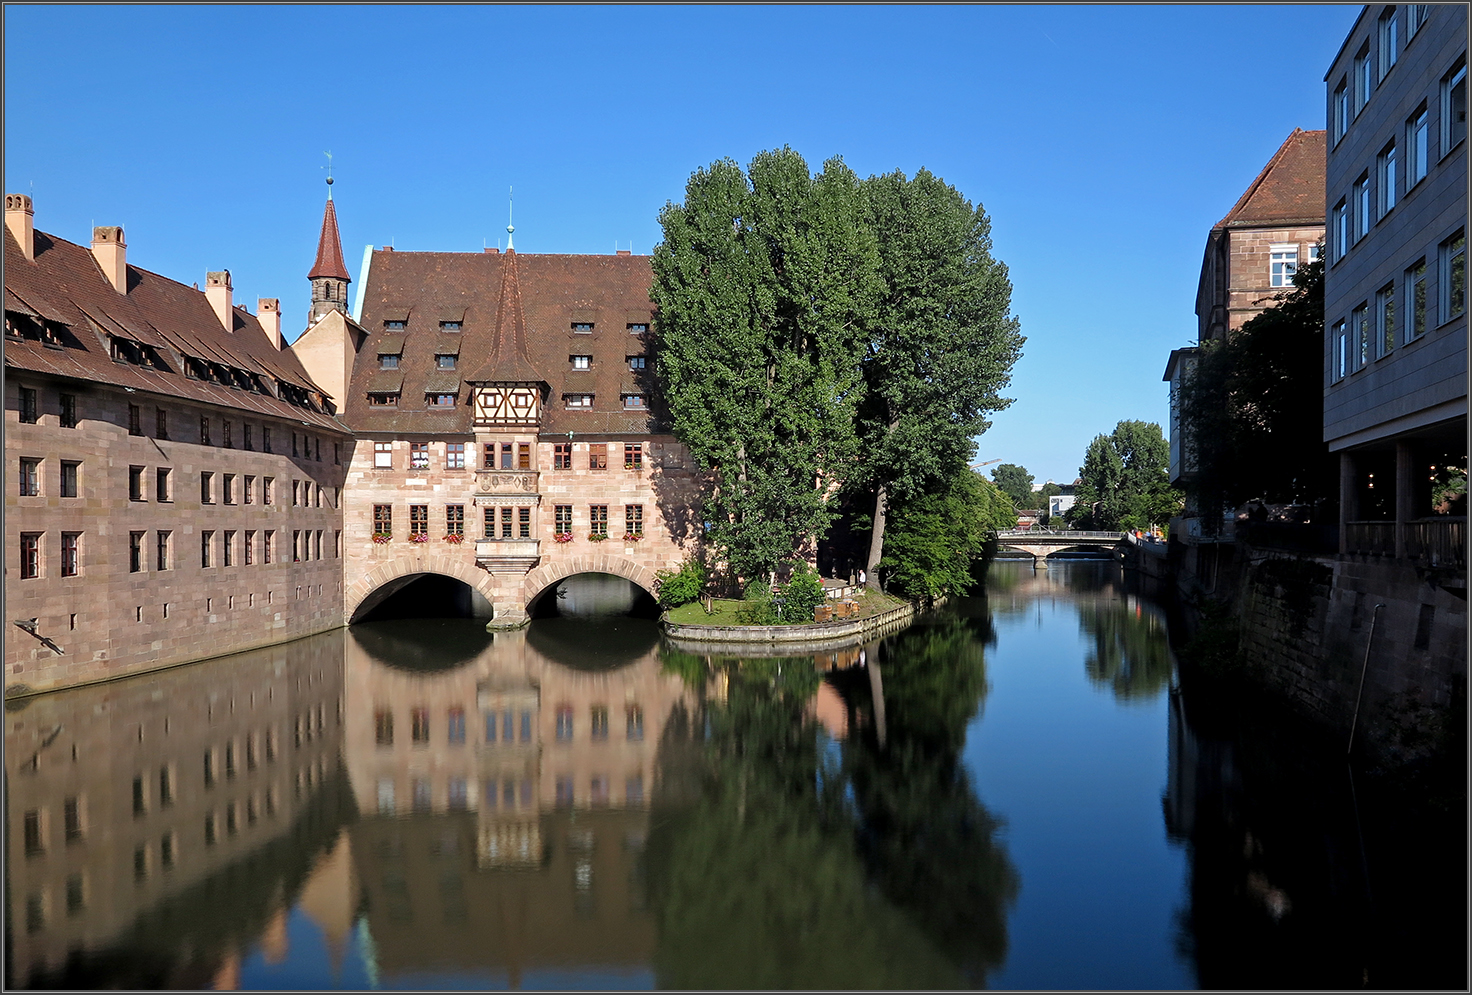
[(1042, 543)]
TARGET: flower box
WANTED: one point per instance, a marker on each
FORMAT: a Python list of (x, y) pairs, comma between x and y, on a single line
[(633, 536), (597, 537), (455, 538), (419, 537), (382, 537), (562, 536)]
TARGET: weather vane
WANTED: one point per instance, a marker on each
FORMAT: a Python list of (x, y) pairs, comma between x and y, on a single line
[(510, 203), (329, 174)]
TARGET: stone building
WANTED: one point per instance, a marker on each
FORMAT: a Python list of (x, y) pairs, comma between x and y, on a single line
[(1251, 256), (173, 475), (1395, 369)]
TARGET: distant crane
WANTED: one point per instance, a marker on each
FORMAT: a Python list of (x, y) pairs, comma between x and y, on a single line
[(978, 466)]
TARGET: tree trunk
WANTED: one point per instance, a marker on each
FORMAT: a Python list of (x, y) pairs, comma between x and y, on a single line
[(876, 538)]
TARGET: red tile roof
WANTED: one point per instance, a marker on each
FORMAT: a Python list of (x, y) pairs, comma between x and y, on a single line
[(1290, 188), (65, 286), (329, 248), (517, 313)]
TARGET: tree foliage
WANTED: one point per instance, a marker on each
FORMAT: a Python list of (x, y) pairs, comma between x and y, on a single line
[(682, 586), (1125, 480), (1016, 483), (767, 282), (1252, 409), (934, 538), (942, 349)]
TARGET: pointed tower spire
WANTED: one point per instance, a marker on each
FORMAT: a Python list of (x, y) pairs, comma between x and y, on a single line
[(329, 274), (508, 361)]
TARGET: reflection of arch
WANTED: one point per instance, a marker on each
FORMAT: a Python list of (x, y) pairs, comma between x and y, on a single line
[(545, 576), (376, 585)]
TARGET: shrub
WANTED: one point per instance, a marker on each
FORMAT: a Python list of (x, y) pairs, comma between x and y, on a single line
[(756, 605), (803, 593), (682, 586)]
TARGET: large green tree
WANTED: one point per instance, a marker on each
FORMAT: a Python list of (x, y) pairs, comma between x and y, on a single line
[(1016, 483), (1125, 480), (1253, 408), (767, 283), (942, 348), (934, 537)]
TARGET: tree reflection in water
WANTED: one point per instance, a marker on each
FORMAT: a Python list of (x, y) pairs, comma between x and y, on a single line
[(781, 859), (1130, 653)]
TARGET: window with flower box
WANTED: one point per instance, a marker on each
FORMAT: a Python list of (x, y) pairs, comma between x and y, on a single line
[(383, 519), (455, 520), (563, 518), (634, 520), (562, 456), (419, 456), (598, 520), (598, 456), (454, 456), (633, 456), (419, 519)]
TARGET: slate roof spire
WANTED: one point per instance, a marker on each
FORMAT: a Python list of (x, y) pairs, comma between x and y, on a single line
[(329, 246), (508, 362)]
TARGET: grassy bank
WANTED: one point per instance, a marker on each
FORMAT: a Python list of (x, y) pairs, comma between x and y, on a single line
[(723, 612)]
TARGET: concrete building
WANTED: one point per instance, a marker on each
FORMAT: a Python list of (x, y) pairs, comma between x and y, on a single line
[(173, 474), (1395, 369)]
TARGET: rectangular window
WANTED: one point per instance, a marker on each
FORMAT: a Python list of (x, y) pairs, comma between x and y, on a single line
[(488, 456), (161, 424), (491, 729), (163, 488), (383, 519), (1416, 300), (1364, 217), (418, 455), (69, 478), (455, 519), (383, 727), (204, 431), (249, 546), (634, 718), (581, 362), (633, 456), (577, 401), (206, 488), (1416, 15), (268, 490), (1418, 150), (1359, 322), (455, 726), (419, 725), (582, 327), (30, 478), (636, 362), (227, 548), (506, 523), (634, 402), (227, 431), (135, 552), (638, 327), (265, 438), (162, 540), (598, 456), (389, 400), (1340, 110), (268, 550), (1389, 28), (506, 456), (523, 456), (1384, 321), (562, 456), (394, 325), (1453, 108), (206, 548), (564, 723), (388, 361), (135, 420), (227, 488), (563, 518), (1364, 79), (246, 439), (71, 553), (295, 451), (30, 555), (247, 490), (1453, 276), (419, 519), (135, 483), (526, 737), (449, 326), (634, 519), (29, 408), (1339, 223), (439, 400), (383, 455), (1386, 168), (337, 453), (68, 411), (598, 722), (523, 523), (490, 523), (454, 456), (598, 519)]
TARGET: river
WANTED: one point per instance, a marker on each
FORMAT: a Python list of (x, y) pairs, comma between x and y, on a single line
[(1015, 792)]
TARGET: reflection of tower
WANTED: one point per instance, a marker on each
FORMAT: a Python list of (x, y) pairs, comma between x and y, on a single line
[(330, 897)]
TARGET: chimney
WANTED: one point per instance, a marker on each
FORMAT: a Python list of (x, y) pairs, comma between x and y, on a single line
[(111, 253), (268, 313), (493, 251), (217, 291), (20, 219), (623, 252)]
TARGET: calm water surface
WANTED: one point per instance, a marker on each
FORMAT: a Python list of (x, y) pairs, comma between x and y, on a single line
[(1012, 793)]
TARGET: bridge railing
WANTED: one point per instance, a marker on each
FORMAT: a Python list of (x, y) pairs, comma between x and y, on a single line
[(1052, 534)]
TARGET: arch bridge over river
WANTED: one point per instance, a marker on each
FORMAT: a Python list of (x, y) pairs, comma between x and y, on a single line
[(1042, 544)]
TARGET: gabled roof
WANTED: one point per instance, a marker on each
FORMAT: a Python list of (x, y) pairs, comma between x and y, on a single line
[(65, 286), (1290, 188), (329, 248)]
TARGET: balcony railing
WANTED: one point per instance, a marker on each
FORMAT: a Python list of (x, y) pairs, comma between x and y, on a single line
[(1370, 538), (1437, 542), (507, 555)]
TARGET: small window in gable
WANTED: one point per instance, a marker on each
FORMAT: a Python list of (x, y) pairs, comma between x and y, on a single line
[(582, 327), (394, 325), (581, 362), (634, 402), (439, 400), (578, 400), (638, 327), (384, 400), (388, 361), (445, 361), (449, 326)]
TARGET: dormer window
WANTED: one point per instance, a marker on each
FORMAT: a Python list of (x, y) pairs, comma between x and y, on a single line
[(449, 326), (582, 327), (384, 400), (638, 327), (388, 361), (581, 362), (578, 401), (439, 400), (636, 362), (634, 402), (445, 361), (394, 326)]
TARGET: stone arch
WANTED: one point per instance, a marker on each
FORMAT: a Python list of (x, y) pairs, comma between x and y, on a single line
[(415, 564), (545, 576)]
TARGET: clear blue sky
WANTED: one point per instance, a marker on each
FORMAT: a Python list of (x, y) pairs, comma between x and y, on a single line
[(1103, 141)]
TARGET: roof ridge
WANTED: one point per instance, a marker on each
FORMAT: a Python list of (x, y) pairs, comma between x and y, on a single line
[(1262, 175)]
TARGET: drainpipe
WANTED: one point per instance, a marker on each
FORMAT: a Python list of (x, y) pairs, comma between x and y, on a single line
[(1374, 617)]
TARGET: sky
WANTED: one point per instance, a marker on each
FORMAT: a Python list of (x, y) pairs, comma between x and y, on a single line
[(1103, 142)]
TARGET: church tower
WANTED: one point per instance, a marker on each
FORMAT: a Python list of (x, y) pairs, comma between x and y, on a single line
[(329, 273)]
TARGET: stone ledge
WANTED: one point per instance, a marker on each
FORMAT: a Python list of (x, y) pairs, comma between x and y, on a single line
[(767, 634)]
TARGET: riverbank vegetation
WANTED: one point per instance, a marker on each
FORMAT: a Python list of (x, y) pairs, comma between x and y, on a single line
[(829, 347), (1125, 481)]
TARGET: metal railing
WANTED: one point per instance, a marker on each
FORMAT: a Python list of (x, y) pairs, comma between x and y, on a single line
[(1439, 542)]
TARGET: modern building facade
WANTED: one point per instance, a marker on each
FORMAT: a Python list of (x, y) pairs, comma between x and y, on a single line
[(173, 475), (1395, 370)]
